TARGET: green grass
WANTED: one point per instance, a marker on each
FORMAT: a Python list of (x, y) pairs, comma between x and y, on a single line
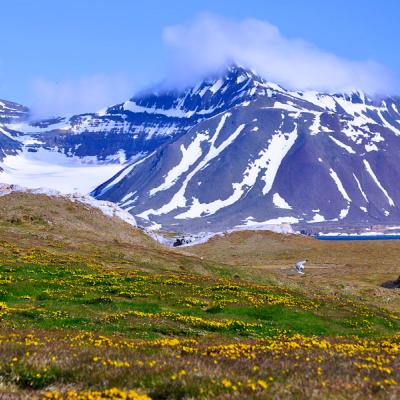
[(55, 298), (88, 303), (83, 297)]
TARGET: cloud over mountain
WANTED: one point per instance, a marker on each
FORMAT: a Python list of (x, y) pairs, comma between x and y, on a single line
[(209, 42), (73, 96)]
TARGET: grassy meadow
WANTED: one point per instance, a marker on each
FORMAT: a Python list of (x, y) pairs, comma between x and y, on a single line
[(91, 308)]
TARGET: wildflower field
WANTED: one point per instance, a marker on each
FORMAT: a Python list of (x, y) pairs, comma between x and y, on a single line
[(86, 323), (74, 329)]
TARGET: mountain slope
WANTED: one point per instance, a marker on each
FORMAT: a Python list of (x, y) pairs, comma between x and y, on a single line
[(93, 147), (10, 113), (277, 157)]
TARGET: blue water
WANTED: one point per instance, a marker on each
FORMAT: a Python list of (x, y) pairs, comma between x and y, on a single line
[(360, 237)]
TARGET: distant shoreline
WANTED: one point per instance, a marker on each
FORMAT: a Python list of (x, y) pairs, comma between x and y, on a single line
[(358, 237)]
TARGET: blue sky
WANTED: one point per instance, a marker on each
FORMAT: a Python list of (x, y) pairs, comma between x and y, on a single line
[(75, 45)]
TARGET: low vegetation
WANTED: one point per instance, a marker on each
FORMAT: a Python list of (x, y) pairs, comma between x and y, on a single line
[(78, 322)]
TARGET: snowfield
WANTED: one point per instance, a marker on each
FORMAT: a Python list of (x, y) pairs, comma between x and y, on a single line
[(55, 171)]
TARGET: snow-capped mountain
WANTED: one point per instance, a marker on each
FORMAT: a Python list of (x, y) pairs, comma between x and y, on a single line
[(232, 151), (267, 156), (54, 152), (140, 125), (10, 113)]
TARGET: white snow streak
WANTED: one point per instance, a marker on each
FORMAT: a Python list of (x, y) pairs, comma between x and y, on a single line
[(360, 189), (339, 185), (217, 85), (189, 156), (344, 212), (389, 126), (325, 101), (374, 177), (176, 113), (342, 145), (315, 127), (172, 112), (279, 146)]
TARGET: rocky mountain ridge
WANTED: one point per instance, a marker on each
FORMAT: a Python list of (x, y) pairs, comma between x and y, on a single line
[(279, 157), (233, 151)]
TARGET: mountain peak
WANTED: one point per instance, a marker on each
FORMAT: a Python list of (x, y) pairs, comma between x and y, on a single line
[(236, 71), (220, 90)]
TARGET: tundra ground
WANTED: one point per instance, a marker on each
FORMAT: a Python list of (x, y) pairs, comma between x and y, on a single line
[(92, 308)]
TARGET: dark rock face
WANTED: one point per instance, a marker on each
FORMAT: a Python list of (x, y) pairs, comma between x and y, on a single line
[(392, 284), (8, 146), (10, 113), (274, 157)]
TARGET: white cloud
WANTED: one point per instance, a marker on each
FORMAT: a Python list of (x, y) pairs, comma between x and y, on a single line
[(87, 94), (209, 42)]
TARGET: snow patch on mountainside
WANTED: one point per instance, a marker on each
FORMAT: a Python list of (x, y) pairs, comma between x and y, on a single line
[(342, 145), (280, 202), (361, 189), (172, 112), (317, 218), (278, 147), (371, 147), (106, 207), (321, 100), (315, 127), (189, 156), (376, 180), (176, 113), (339, 185), (179, 199), (388, 125), (267, 157), (198, 209), (4, 132), (275, 224), (344, 212)]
